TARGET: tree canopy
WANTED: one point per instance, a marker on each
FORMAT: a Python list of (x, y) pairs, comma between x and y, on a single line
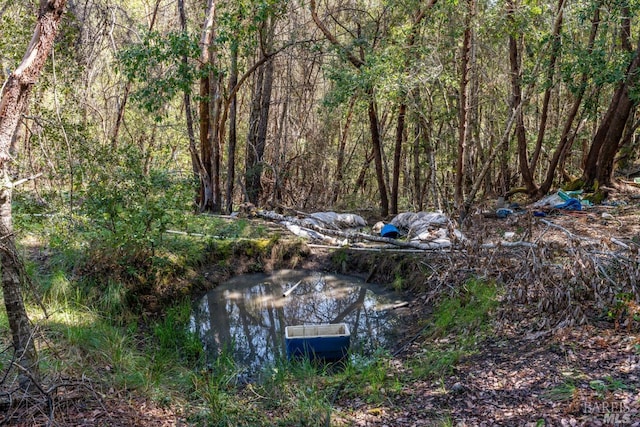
[(391, 105)]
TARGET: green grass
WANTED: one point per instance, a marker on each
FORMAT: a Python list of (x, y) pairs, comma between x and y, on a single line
[(398, 282), (175, 341), (460, 322), (88, 344), (287, 394), (78, 341), (608, 384), (562, 392), (5, 338), (437, 362), (166, 362), (468, 309), (371, 378)]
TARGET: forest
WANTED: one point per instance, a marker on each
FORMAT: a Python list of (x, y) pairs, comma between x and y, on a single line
[(142, 141)]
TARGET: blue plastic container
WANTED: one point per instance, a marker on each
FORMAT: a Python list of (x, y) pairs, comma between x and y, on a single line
[(328, 342), (390, 231)]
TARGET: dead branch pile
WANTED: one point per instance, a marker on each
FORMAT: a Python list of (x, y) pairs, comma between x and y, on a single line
[(48, 402), (557, 278)]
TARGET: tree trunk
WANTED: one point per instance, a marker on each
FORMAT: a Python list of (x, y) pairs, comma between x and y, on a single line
[(629, 147), (604, 174), (211, 152), (205, 198), (213, 163), (337, 184), (397, 155), (14, 100), (516, 99), (464, 109), (417, 169), (195, 161), (11, 283), (598, 169), (251, 174), (564, 144), (376, 142), (360, 181), (555, 51), (258, 125), (233, 137), (265, 108)]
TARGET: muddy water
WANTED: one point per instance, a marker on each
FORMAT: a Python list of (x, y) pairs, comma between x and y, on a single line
[(248, 314)]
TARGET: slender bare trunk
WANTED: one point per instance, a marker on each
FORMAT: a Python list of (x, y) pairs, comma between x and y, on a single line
[(215, 142), (555, 51), (257, 137), (397, 155), (233, 137), (337, 185), (516, 99), (195, 161), (464, 108), (376, 142)]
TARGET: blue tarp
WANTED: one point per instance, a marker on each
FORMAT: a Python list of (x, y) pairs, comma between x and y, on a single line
[(570, 205)]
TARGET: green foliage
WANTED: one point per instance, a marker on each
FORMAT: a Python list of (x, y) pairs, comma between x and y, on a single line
[(460, 322), (175, 341), (563, 392), (219, 391), (468, 309), (107, 247), (369, 377), (93, 344), (20, 26), (221, 402), (112, 299), (340, 257), (607, 385), (437, 361), (117, 355), (58, 289), (600, 65), (300, 390), (127, 212), (398, 282), (157, 65)]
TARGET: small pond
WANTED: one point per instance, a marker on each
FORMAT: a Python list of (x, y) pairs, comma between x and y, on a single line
[(248, 313)]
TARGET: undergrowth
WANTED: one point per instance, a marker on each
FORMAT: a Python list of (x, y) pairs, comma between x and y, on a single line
[(164, 360), (116, 274), (460, 322)]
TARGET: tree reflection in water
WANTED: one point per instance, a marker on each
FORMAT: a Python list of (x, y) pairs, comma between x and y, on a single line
[(249, 313)]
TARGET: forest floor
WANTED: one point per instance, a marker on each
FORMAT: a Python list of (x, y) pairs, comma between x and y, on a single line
[(527, 372), (578, 376), (584, 373)]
